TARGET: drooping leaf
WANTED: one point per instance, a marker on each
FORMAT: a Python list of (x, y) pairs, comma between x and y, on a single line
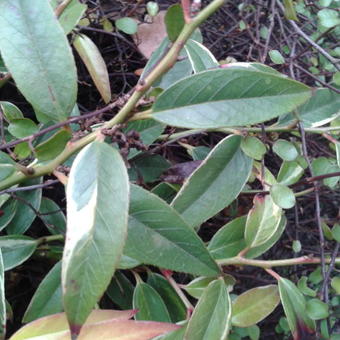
[(52, 216), (53, 146), (95, 64), (157, 232), (262, 222), (25, 215), (120, 291), (282, 196), (47, 299), (294, 305), (97, 208), (149, 304), (71, 15), (16, 249), (174, 304), (254, 305), (3, 315), (228, 97), (47, 79), (211, 319), (174, 21), (204, 193), (200, 57), (51, 324)]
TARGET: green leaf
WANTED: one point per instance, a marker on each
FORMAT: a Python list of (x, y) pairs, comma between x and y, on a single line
[(6, 170), (335, 283), (149, 304), (97, 209), (290, 173), (317, 309), (294, 305), (276, 57), (323, 165), (254, 305), (286, 150), (157, 232), (336, 232), (9, 210), (95, 64), (282, 196), (228, 97), (290, 13), (174, 21), (174, 304), (71, 15), (120, 291), (10, 111), (253, 147), (22, 150), (254, 332), (22, 127), (212, 315), (47, 299), (3, 315), (328, 18), (200, 57), (127, 262), (16, 249), (152, 8), (204, 193), (25, 215), (52, 216), (53, 146), (47, 79), (196, 287), (296, 246), (263, 221), (304, 289), (127, 25), (165, 191)]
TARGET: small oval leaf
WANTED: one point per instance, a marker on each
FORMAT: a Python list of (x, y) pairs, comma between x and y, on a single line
[(282, 196)]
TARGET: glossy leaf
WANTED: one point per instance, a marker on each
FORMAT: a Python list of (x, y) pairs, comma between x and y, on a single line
[(254, 305), (71, 15), (51, 324), (25, 215), (196, 287), (3, 315), (211, 319), (47, 299), (317, 309), (97, 208), (16, 249), (200, 57), (294, 305), (120, 291), (228, 97), (285, 149), (52, 216), (290, 173), (95, 64), (47, 79), (53, 146), (262, 222), (149, 304), (253, 147), (174, 304), (157, 232), (282, 196), (174, 21), (22, 127), (10, 111), (204, 193)]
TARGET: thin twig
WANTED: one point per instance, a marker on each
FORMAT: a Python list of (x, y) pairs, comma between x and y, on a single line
[(47, 184)]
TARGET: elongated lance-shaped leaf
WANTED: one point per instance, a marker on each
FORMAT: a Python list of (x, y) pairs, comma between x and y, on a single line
[(3, 317), (254, 305), (294, 305), (36, 52), (211, 319), (215, 183), (47, 299), (262, 222), (95, 64), (159, 236), (97, 209), (228, 97), (200, 57)]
